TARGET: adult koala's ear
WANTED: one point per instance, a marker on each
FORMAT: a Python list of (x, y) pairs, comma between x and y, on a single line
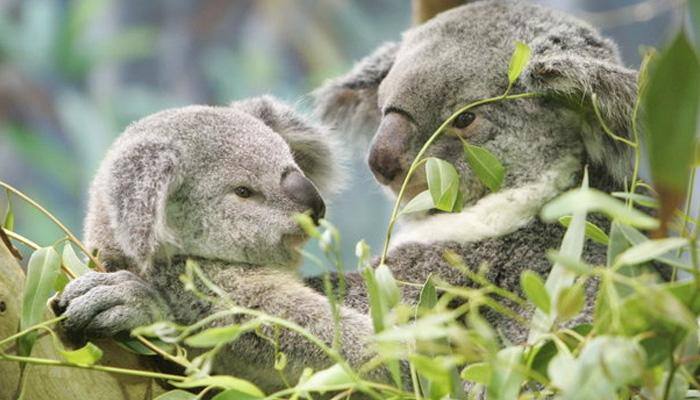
[(139, 179), (575, 62), (350, 101), (317, 152)]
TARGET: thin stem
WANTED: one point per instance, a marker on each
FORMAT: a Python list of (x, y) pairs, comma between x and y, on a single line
[(608, 131), (31, 328), (419, 156), (71, 274), (160, 351), (16, 236), (103, 368), (55, 220)]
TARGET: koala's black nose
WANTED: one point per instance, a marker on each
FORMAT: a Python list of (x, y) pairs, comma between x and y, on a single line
[(388, 146), (302, 191)]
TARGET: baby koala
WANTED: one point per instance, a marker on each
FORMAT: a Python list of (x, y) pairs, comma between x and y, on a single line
[(219, 185)]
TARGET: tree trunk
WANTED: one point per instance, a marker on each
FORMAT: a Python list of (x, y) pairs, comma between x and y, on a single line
[(56, 382), (423, 10)]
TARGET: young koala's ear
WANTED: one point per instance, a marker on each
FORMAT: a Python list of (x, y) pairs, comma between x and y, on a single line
[(349, 102), (139, 180), (317, 152), (574, 63)]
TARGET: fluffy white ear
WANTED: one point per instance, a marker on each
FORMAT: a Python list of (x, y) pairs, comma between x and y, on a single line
[(315, 149), (138, 183), (349, 103), (573, 63)]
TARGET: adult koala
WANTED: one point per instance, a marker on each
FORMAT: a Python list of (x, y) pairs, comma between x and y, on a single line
[(405, 90), (219, 185)]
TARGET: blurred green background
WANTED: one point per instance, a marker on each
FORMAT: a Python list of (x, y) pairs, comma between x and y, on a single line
[(74, 73)]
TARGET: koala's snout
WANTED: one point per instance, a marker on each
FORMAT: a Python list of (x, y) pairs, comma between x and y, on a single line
[(302, 191), (389, 144)]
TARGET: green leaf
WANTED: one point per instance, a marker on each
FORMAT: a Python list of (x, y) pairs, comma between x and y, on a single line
[(642, 200), (71, 260), (84, 356), (560, 276), (573, 264), (518, 61), (605, 364), (9, 220), (222, 382), (233, 394), (649, 250), (428, 295), (61, 282), (307, 224), (570, 302), (443, 183), (422, 202), (485, 165), (215, 336), (166, 331), (535, 291), (671, 119), (617, 244), (477, 372), (177, 395), (333, 376), (592, 200), (42, 272), (507, 374), (593, 232), (437, 373), (635, 237), (388, 289)]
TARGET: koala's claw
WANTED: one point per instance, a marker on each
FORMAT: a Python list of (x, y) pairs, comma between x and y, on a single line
[(100, 305)]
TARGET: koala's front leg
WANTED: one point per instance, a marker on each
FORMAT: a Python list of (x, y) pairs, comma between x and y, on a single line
[(105, 304)]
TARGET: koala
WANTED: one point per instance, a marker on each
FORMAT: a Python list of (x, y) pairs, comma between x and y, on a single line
[(218, 185), (404, 90)]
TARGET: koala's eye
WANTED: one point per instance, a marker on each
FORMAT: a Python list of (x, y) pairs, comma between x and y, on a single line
[(242, 191), (463, 120)]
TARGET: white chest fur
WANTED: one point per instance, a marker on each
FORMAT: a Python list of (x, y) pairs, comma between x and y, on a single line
[(494, 215)]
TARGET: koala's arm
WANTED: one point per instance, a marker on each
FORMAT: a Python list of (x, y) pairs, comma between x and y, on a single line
[(284, 296), (107, 304)]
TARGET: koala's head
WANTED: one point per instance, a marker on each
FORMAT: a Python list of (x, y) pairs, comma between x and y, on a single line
[(212, 182), (404, 91)]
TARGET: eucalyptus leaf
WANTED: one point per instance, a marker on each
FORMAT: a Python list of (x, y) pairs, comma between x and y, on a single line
[(649, 250), (422, 202), (671, 108), (443, 183), (177, 395), (593, 232), (9, 220), (592, 200), (642, 200), (570, 302), (233, 394), (215, 336), (428, 295), (71, 260), (507, 374), (84, 356), (477, 372), (42, 271), (485, 165), (333, 376), (534, 289), (388, 289), (222, 382), (518, 61)]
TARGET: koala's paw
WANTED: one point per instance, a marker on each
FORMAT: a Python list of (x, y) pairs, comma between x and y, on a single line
[(100, 305)]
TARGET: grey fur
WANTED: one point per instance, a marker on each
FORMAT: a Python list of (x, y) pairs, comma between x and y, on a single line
[(164, 193), (458, 57)]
